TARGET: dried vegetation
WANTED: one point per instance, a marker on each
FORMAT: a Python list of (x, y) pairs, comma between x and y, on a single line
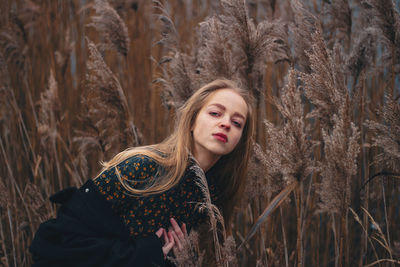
[(75, 88)]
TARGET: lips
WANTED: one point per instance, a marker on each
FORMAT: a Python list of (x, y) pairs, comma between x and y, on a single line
[(221, 137)]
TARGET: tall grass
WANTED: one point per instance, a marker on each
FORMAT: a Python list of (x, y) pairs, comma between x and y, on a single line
[(80, 81)]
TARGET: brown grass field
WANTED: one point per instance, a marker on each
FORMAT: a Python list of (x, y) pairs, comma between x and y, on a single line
[(83, 80)]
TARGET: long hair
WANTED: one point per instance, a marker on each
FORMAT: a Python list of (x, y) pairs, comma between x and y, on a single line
[(174, 152)]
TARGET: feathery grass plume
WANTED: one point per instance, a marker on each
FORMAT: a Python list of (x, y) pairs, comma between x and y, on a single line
[(341, 149), (215, 58), (124, 7), (229, 257), (63, 54), (190, 255), (111, 27), (289, 149), (29, 14), (38, 206), (48, 121), (303, 27), (12, 44), (49, 107), (105, 109), (178, 79), (256, 183), (386, 17), (253, 45), (325, 86), (340, 22), (362, 53), (387, 134), (216, 220), (337, 168)]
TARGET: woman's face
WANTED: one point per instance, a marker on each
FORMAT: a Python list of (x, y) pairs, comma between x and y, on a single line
[(219, 125)]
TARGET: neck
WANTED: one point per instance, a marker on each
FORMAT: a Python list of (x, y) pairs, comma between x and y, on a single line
[(206, 161)]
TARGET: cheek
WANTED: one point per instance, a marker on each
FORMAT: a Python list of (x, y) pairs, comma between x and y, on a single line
[(237, 137)]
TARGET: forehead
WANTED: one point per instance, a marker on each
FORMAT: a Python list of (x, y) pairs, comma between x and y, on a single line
[(230, 99)]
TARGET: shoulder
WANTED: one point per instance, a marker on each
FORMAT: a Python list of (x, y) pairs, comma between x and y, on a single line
[(136, 167)]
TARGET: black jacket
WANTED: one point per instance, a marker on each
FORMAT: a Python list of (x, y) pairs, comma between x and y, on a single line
[(87, 233)]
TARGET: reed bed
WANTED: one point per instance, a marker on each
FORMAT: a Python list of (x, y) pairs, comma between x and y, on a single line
[(82, 80)]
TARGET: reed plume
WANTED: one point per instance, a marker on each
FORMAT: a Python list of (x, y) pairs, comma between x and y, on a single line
[(48, 122), (190, 255), (301, 29), (257, 184), (216, 220), (230, 45), (62, 55), (339, 165), (325, 86), (326, 89), (111, 27), (289, 149), (386, 134), (13, 43), (215, 58), (253, 45), (105, 111), (178, 78), (49, 107), (385, 17), (363, 52), (29, 14), (339, 23)]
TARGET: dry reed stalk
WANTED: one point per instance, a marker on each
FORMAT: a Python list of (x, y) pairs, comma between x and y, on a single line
[(178, 79), (382, 241), (289, 151), (252, 45), (106, 113), (190, 255), (48, 121), (224, 252), (111, 28), (325, 88)]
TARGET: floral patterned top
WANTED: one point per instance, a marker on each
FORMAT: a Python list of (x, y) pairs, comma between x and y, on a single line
[(144, 215)]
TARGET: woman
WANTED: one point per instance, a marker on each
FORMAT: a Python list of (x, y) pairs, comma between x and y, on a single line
[(121, 217)]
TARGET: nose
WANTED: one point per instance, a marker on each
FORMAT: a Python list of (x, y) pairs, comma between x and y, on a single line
[(225, 124)]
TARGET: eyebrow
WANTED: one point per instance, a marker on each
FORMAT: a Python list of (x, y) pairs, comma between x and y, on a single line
[(224, 108)]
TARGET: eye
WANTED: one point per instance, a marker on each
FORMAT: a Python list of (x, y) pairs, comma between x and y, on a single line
[(237, 124), (214, 113)]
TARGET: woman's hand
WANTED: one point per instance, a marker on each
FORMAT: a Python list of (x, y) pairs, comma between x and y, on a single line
[(179, 234), (168, 241)]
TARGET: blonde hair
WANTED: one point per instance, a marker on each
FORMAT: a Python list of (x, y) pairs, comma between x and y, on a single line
[(173, 153)]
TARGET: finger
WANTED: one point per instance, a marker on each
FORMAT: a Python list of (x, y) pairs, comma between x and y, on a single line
[(169, 245), (177, 229), (159, 232), (184, 229), (177, 240), (166, 239)]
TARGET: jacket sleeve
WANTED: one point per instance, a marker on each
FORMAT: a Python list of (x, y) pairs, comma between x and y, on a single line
[(86, 232)]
